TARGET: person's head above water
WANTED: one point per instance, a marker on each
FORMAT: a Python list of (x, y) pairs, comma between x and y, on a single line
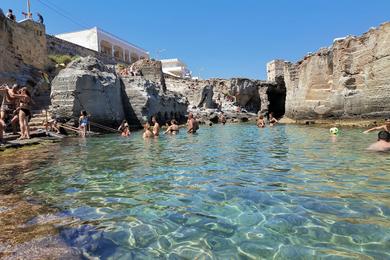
[(384, 135), (173, 122), (154, 120), (190, 115), (83, 113)]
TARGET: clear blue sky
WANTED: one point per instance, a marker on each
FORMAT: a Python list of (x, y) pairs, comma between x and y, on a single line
[(217, 38)]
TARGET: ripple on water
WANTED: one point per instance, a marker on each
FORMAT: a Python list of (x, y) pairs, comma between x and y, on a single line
[(233, 192)]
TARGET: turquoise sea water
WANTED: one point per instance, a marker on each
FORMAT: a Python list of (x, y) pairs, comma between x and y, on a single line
[(228, 192)]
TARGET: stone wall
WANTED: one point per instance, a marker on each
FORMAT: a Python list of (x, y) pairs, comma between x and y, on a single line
[(275, 68), (56, 46), (21, 44), (347, 80)]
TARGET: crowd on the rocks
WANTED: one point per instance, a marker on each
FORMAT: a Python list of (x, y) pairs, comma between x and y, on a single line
[(15, 109), (10, 15)]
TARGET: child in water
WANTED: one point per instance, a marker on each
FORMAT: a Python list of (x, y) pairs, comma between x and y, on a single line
[(260, 122), (124, 128), (83, 123)]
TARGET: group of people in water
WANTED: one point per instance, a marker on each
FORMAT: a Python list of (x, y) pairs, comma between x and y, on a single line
[(15, 109)]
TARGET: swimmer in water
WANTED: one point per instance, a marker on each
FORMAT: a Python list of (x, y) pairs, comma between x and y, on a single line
[(272, 120), (173, 128), (260, 122), (156, 126), (147, 133), (192, 124), (385, 127), (383, 143)]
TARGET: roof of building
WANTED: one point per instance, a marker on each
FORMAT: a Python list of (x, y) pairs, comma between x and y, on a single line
[(173, 60), (108, 34)]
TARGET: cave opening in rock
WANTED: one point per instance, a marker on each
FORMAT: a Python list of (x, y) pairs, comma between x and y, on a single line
[(277, 98)]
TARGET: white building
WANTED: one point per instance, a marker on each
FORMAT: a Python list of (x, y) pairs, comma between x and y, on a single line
[(175, 68), (98, 40)]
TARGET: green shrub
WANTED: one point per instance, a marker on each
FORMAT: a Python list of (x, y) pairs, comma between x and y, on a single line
[(62, 59)]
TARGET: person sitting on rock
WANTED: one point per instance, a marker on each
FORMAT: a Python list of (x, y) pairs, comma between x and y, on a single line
[(192, 124), (156, 126), (383, 143), (260, 121), (272, 120), (147, 133), (173, 128), (385, 127), (83, 123)]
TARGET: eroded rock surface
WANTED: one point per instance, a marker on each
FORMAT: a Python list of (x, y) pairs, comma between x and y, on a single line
[(145, 98), (349, 79), (88, 84)]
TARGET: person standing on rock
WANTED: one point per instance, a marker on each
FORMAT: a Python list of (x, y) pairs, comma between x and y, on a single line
[(24, 111), (83, 123), (40, 18), (156, 126), (192, 124), (385, 127), (10, 15), (8, 106)]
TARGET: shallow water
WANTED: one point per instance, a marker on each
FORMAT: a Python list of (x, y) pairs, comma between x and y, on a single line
[(229, 192)]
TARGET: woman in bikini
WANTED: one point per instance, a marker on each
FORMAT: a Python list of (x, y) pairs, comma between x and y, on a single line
[(24, 111), (83, 123), (173, 128)]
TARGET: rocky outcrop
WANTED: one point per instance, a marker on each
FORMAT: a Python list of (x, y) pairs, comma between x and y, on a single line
[(150, 70), (88, 84), (206, 97), (233, 95), (347, 80), (145, 98)]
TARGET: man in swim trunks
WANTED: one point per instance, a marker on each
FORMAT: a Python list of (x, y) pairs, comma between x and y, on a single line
[(383, 143), (173, 128), (156, 126), (385, 127), (8, 106), (192, 124)]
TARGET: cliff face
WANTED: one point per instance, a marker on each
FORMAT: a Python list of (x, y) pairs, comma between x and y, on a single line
[(253, 95), (349, 79), (87, 84)]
